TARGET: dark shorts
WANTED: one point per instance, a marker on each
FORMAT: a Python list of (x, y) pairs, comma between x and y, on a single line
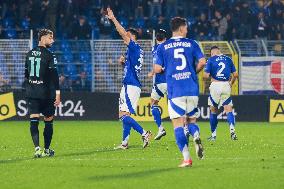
[(44, 106)]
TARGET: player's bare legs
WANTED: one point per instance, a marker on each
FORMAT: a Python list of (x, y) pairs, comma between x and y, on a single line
[(231, 121), (213, 123), (193, 130), (157, 117)]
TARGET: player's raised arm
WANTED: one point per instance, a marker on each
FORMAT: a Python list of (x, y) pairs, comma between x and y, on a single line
[(122, 32)]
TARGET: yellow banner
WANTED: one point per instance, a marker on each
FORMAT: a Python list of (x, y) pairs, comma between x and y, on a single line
[(276, 112), (7, 106), (144, 113)]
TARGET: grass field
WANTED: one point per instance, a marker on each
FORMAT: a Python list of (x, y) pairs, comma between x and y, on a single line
[(85, 158)]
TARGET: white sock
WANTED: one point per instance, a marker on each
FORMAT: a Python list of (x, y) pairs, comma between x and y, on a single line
[(214, 133), (125, 142), (232, 128), (161, 128), (196, 135), (185, 153)]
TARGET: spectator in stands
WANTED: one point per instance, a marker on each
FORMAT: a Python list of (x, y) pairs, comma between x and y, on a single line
[(4, 84), (155, 8), (66, 16), (260, 27), (221, 23), (231, 33), (50, 8), (171, 8), (36, 14), (82, 83), (82, 29), (64, 83), (202, 27), (245, 21)]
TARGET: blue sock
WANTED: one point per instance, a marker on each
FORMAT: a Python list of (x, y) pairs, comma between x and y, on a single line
[(193, 129), (182, 142), (157, 115), (213, 122), (126, 130), (231, 120), (132, 123)]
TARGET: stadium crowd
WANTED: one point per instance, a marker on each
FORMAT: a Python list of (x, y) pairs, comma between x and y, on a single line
[(208, 19)]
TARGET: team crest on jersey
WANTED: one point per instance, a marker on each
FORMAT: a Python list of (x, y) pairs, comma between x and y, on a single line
[(277, 76)]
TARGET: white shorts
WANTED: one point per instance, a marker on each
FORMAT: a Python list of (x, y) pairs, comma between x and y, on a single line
[(181, 106), (128, 99), (220, 94), (159, 91)]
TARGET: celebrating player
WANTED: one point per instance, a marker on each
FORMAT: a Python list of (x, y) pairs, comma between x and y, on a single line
[(130, 91), (220, 67), (177, 56), (42, 90), (159, 87)]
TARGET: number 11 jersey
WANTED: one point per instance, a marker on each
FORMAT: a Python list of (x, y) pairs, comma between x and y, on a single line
[(38, 66)]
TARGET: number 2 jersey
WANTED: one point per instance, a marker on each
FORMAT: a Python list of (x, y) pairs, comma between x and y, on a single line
[(41, 74), (178, 56), (220, 67)]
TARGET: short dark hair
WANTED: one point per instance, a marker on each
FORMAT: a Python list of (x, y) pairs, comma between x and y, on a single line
[(177, 22), (43, 32), (133, 32), (214, 47), (161, 35)]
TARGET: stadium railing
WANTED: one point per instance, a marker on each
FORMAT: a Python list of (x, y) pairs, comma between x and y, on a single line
[(261, 62), (92, 65)]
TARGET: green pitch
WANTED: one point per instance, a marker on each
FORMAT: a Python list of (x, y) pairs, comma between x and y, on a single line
[(84, 158)]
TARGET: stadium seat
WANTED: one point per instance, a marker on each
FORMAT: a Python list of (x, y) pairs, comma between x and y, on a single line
[(10, 33), (84, 57), (71, 71), (8, 23), (140, 23), (25, 24), (67, 57), (124, 22), (65, 45)]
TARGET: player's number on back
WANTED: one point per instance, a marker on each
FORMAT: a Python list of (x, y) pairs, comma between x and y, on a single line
[(178, 54), (222, 67), (35, 66)]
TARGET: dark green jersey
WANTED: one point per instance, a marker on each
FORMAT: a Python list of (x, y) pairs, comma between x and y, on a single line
[(41, 74)]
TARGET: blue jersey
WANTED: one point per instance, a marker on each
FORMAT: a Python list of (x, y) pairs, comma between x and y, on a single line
[(178, 57), (220, 67), (159, 77), (133, 64)]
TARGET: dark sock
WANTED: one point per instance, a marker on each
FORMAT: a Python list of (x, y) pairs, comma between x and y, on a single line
[(47, 133), (34, 130)]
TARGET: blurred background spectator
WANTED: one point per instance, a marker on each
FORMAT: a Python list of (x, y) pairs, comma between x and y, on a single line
[(208, 19)]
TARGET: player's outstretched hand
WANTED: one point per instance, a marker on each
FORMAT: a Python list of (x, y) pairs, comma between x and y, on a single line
[(57, 100), (110, 14)]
